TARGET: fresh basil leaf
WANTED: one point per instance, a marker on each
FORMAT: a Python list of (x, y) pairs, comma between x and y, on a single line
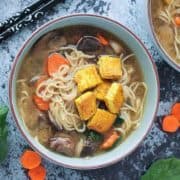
[(164, 169), (3, 149), (3, 133), (3, 114)]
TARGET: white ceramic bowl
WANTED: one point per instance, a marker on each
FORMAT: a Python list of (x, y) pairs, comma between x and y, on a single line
[(150, 77), (157, 43)]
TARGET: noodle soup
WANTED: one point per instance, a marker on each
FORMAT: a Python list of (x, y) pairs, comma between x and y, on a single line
[(80, 91), (166, 22)]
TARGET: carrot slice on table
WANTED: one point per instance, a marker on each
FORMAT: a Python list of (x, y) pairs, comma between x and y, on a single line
[(102, 40), (177, 20), (55, 60), (30, 159), (170, 123), (110, 138), (40, 103), (176, 110), (38, 173)]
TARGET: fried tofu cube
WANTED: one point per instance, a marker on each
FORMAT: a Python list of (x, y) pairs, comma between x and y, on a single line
[(114, 98), (87, 78), (86, 105), (110, 67), (101, 90), (102, 121)]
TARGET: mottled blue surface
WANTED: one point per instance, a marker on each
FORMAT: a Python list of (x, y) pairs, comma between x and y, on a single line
[(156, 145)]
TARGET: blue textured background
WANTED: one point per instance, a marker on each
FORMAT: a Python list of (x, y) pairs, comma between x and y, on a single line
[(156, 145)]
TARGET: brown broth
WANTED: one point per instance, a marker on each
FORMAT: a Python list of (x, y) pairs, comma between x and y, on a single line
[(164, 32), (33, 63)]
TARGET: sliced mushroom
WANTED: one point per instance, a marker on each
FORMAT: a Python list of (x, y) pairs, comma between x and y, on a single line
[(64, 143), (117, 48), (89, 45), (90, 147)]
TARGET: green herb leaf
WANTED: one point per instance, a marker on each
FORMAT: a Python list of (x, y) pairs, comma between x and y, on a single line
[(3, 133), (3, 149), (3, 114), (94, 136), (118, 121), (164, 169)]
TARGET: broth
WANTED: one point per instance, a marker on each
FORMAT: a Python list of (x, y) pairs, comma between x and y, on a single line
[(70, 138), (166, 30)]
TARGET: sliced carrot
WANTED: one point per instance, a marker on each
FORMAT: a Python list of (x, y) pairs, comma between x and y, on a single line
[(110, 138), (40, 103), (176, 110), (177, 20), (55, 60), (170, 123), (30, 159), (38, 173), (102, 40)]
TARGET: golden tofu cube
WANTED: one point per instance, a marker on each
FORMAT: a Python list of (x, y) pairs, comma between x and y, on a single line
[(87, 78), (110, 67), (102, 121), (86, 105), (101, 90), (114, 98)]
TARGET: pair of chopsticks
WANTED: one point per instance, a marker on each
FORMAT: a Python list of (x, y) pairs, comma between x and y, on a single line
[(28, 15)]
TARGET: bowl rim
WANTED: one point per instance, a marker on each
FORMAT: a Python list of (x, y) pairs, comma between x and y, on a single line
[(166, 57), (16, 118)]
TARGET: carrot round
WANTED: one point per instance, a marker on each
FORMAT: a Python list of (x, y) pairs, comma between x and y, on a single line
[(177, 20), (170, 123), (38, 173), (55, 60), (176, 110), (30, 159), (40, 103), (109, 140), (102, 40)]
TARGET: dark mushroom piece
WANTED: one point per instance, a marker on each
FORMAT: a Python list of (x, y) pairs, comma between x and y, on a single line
[(64, 143), (89, 45), (90, 147)]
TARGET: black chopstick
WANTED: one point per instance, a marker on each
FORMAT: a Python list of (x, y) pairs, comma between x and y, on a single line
[(18, 16), (30, 14)]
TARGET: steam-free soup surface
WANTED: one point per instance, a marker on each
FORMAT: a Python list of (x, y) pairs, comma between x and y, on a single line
[(166, 22), (80, 91)]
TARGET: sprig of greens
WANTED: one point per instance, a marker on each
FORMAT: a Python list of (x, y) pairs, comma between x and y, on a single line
[(3, 133), (165, 169), (94, 136)]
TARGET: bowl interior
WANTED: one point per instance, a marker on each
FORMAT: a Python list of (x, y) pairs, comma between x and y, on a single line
[(150, 77), (160, 48)]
